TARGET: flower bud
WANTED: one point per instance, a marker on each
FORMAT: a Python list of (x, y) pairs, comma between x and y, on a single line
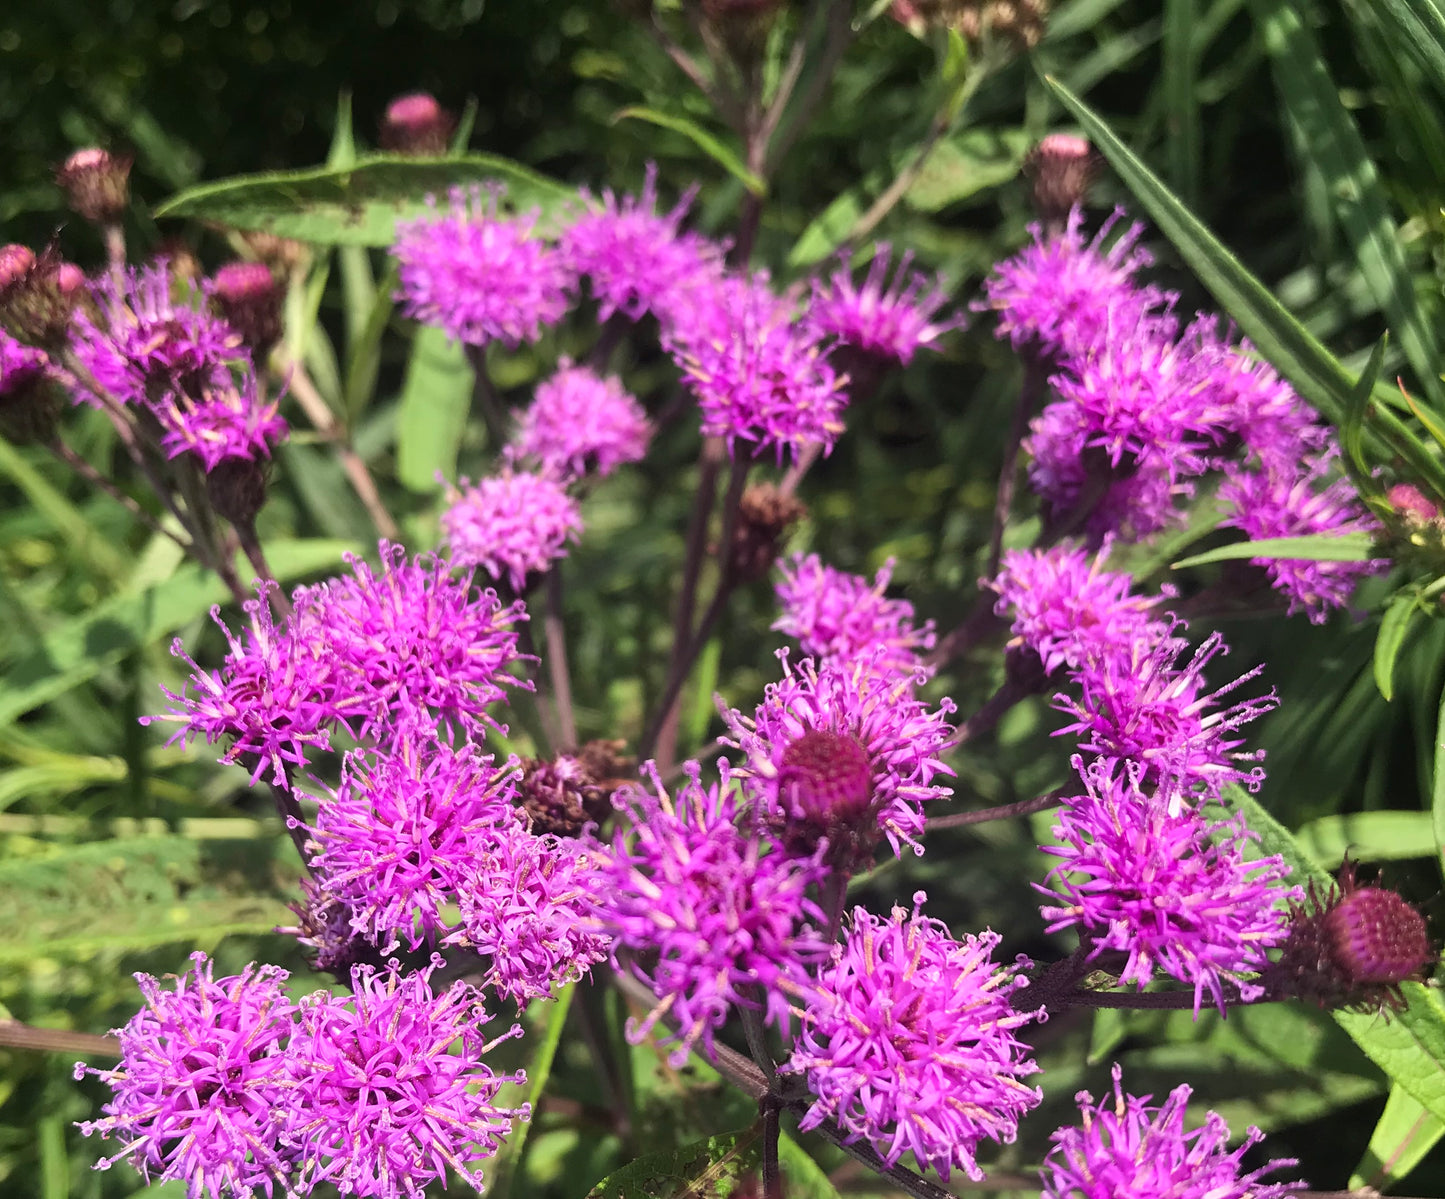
[(1412, 504), (248, 296), (97, 184), (281, 254), (323, 924), (765, 514), (416, 124), (29, 398), (236, 488), (1021, 22), (564, 795), (33, 307), (1061, 166), (826, 790)]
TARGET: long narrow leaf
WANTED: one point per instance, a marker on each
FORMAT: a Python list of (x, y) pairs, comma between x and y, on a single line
[(1345, 547)]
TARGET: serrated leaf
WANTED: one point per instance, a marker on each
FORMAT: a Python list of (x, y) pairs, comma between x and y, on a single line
[(1386, 835), (1403, 1135), (435, 400), (721, 154), (967, 164), (1319, 547), (707, 1169), (357, 205), (1394, 629)]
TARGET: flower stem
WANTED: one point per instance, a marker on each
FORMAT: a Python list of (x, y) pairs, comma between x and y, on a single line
[(1029, 393), (1024, 807), (557, 661), (15, 1035)]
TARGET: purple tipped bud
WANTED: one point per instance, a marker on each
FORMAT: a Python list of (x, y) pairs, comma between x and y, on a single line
[(29, 400), (237, 488), (1377, 938), (1412, 504), (249, 297), (829, 777), (70, 280), (1062, 166), (417, 124), (16, 262), (97, 184), (32, 305), (564, 795)]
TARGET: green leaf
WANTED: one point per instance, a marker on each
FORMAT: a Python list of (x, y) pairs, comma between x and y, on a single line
[(435, 400), (1394, 629), (357, 205), (724, 156), (87, 542), (803, 1178), (828, 230), (76, 650), (539, 1070), (343, 137), (1352, 427), (707, 1169), (1404, 1134), (1419, 31), (1179, 82), (1386, 835), (1337, 149), (1318, 547), (967, 164)]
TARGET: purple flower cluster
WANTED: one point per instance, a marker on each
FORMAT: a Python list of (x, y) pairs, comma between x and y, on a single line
[(513, 525), (889, 320), (909, 1042), (1126, 1148), (842, 618), (1174, 892), (227, 1086), (580, 423), (709, 915)]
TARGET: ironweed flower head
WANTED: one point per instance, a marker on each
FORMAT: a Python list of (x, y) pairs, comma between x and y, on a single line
[(479, 276), (383, 1102), (200, 1093), (1071, 611), (1305, 497), (581, 423), (524, 907), (842, 753), (1062, 292), (841, 618), (233, 421), (1143, 707), (1128, 1149), (637, 259), (909, 1042), (887, 319), (396, 841), (712, 918), (759, 376), (513, 525), (1172, 891)]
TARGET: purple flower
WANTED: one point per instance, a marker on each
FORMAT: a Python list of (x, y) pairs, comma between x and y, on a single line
[(579, 422), (479, 276), (199, 1094), (524, 907), (513, 525), (637, 259), (715, 920), (20, 365), (1299, 498), (759, 376), (234, 421), (1143, 707), (1063, 293), (841, 618), (844, 753), (403, 832), (908, 1042), (1127, 1148), (891, 320), (1071, 611), (149, 348), (1172, 891), (383, 1103)]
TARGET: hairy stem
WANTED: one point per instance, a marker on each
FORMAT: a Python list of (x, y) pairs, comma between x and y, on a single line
[(1024, 807), (15, 1035)]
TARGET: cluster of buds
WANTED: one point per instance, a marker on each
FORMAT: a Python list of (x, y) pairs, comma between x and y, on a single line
[(1021, 22)]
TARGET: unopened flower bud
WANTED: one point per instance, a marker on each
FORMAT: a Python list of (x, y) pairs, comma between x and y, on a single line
[(1412, 504), (70, 279), (248, 296), (281, 254), (1062, 166), (564, 795), (323, 924), (1021, 22), (29, 398), (765, 514), (236, 488), (416, 124), (97, 184), (33, 306)]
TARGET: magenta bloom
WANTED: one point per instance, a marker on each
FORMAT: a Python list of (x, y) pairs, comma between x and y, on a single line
[(1063, 293), (149, 348), (20, 365), (909, 1042), (1303, 497), (1071, 611), (714, 919), (759, 376), (637, 259), (513, 525), (479, 276), (200, 1093), (842, 618), (1126, 1148), (524, 907), (845, 753), (383, 1105), (233, 421), (396, 841), (884, 319), (579, 423), (1144, 708), (1172, 891)]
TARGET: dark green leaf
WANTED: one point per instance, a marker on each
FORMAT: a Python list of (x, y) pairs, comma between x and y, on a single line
[(1345, 547), (723, 155), (358, 205), (435, 400), (1394, 629), (803, 1178), (1352, 427), (828, 230), (1419, 30), (708, 1169), (967, 164)]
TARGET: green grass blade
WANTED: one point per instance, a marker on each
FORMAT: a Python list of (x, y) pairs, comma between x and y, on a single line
[(1181, 97), (539, 1070)]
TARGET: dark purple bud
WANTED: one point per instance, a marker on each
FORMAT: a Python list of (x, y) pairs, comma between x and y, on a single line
[(1376, 937), (249, 297)]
